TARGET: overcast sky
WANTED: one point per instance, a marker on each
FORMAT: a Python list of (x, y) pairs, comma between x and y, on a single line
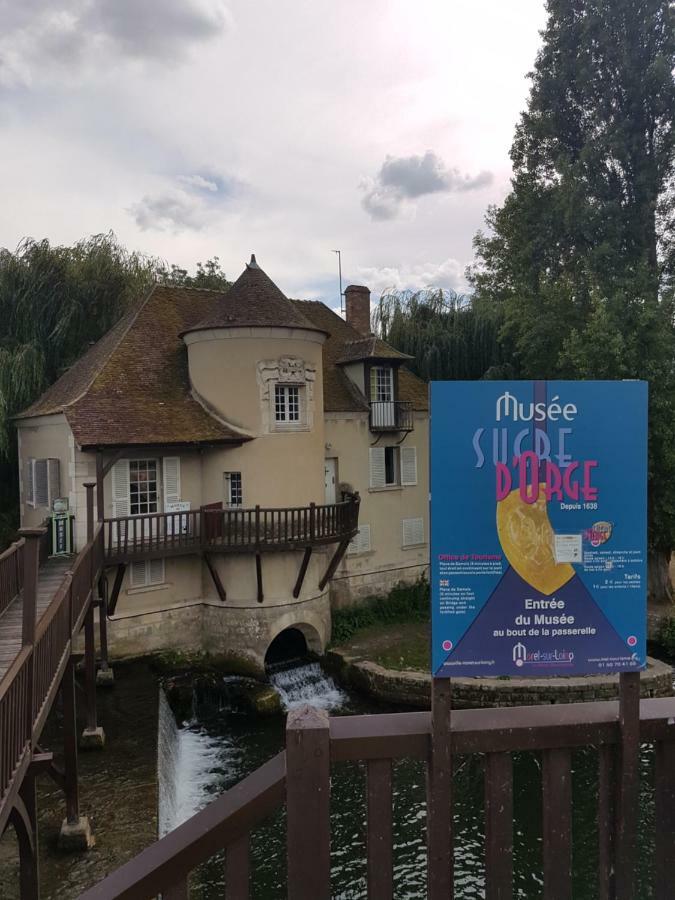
[(289, 128)]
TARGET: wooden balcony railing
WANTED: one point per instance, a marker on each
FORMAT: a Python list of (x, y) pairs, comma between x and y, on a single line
[(11, 569), (300, 776), (231, 530), (394, 415)]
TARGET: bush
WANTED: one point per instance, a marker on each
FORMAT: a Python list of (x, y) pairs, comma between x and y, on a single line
[(665, 637), (405, 603)]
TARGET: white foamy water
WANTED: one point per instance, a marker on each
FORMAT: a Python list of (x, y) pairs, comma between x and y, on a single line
[(307, 684), (187, 761)]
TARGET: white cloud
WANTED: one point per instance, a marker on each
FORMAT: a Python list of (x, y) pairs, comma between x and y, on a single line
[(417, 276), (405, 178), (43, 37), (193, 204)]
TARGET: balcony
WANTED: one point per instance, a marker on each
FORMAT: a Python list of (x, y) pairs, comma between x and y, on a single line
[(391, 415), (216, 530)]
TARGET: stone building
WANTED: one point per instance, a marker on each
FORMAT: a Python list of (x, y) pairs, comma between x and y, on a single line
[(237, 441)]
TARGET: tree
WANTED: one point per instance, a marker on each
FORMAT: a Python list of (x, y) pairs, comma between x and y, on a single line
[(54, 303), (580, 256), (447, 334)]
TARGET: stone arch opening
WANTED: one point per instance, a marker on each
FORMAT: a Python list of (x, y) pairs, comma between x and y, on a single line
[(293, 643)]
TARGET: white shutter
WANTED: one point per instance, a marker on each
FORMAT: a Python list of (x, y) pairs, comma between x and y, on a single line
[(360, 543), (171, 465), (41, 483), (377, 467), (413, 532), (156, 571), (54, 479), (408, 465), (29, 483), (138, 575), (120, 489)]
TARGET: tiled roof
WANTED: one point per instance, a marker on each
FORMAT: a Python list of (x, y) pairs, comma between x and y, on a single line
[(132, 387), (254, 300), (369, 348), (339, 393)]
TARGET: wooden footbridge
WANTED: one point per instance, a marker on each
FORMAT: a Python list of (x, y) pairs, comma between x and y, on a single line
[(43, 606)]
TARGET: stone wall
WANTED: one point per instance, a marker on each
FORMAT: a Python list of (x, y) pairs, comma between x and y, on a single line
[(413, 689)]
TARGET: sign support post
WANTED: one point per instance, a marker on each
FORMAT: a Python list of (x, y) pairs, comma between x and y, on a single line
[(440, 847)]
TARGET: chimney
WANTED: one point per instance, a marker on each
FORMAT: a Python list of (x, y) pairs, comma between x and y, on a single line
[(357, 306)]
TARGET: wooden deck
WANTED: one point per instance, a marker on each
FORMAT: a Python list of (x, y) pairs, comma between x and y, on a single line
[(50, 578)]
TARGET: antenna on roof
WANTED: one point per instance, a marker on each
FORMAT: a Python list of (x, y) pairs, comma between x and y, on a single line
[(339, 256)]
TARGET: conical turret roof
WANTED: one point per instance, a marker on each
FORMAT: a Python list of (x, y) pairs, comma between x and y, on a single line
[(255, 301)]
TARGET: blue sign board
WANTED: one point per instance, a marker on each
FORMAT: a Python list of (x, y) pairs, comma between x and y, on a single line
[(538, 527)]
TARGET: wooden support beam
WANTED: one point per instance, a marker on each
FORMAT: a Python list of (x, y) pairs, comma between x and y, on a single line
[(334, 563), (216, 578), (70, 781), (106, 467), (24, 819), (103, 622), (302, 572), (117, 587), (628, 784), (90, 669), (259, 578), (43, 761), (440, 842)]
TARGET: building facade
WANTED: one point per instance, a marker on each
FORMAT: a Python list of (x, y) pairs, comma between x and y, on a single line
[(258, 461)]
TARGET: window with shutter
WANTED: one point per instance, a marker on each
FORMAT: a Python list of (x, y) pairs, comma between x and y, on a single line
[(408, 465), (146, 574), (413, 532), (360, 543), (171, 466)]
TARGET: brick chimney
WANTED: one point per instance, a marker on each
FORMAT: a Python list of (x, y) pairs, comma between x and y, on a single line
[(357, 306)]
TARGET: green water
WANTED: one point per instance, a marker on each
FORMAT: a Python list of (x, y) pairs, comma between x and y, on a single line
[(119, 793)]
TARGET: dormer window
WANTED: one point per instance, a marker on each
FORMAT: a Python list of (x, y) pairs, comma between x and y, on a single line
[(381, 384)]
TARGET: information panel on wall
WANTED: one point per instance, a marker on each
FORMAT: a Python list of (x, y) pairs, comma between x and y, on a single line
[(538, 527)]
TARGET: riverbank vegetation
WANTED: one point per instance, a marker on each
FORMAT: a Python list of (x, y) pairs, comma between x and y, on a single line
[(406, 603)]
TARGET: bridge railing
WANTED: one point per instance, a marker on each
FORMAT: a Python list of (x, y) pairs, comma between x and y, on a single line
[(229, 530), (301, 776), (11, 574), (28, 687)]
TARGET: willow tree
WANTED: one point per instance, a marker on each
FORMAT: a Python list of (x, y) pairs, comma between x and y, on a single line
[(449, 336)]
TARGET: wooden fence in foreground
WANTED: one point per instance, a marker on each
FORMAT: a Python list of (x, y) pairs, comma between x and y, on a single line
[(300, 778)]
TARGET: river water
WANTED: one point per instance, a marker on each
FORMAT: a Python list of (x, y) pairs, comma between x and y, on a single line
[(156, 771)]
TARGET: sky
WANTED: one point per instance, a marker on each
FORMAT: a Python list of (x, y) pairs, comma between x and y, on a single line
[(287, 128)]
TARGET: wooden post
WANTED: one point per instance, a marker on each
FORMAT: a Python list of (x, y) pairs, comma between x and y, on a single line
[(308, 804), (70, 744), (90, 485), (24, 818), (628, 783), (440, 866), (100, 494), (31, 563)]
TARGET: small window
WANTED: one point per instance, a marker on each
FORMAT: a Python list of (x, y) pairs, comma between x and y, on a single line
[(143, 487), (382, 384), (147, 574), (42, 482), (234, 495), (287, 404), (385, 467)]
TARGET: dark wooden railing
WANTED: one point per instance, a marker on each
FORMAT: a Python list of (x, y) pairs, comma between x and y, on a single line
[(301, 775), (231, 530), (11, 569), (28, 687), (393, 415)]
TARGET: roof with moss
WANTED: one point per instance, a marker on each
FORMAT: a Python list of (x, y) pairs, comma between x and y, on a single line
[(132, 388)]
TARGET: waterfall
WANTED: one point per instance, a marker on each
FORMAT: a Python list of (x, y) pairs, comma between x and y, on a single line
[(187, 761), (306, 683)]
